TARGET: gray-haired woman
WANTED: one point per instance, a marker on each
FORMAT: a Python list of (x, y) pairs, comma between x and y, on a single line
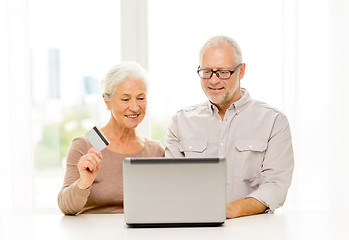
[(93, 179)]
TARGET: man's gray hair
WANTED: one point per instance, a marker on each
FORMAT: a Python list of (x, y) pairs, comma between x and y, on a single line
[(119, 73), (220, 40)]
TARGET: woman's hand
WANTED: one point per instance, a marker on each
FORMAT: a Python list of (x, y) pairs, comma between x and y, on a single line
[(88, 167)]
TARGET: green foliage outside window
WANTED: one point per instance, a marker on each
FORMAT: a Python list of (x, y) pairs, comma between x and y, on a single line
[(57, 136), (50, 151)]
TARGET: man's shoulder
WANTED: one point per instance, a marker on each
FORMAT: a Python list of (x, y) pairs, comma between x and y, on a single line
[(194, 109), (265, 107), (191, 119)]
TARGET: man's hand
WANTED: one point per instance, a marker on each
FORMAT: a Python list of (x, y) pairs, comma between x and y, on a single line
[(245, 207)]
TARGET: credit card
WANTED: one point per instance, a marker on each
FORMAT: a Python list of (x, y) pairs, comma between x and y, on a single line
[(97, 139)]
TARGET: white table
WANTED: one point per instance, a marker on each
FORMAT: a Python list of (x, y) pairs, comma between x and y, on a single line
[(280, 226)]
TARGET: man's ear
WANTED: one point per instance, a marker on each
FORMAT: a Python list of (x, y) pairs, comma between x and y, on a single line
[(106, 101), (242, 71)]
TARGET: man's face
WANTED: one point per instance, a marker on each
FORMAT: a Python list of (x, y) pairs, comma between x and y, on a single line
[(226, 91)]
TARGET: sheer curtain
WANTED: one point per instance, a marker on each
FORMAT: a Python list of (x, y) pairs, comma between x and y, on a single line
[(315, 97), (297, 59), (338, 111), (16, 159)]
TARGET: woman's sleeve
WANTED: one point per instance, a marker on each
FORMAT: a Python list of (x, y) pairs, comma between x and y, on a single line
[(72, 199)]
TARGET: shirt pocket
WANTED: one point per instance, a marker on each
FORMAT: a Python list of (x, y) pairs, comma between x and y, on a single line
[(193, 148), (249, 161)]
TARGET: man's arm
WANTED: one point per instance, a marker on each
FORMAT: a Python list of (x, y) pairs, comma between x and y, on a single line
[(276, 172), (245, 207)]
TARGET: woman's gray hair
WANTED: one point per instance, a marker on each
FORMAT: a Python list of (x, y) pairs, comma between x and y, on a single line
[(120, 73), (220, 40)]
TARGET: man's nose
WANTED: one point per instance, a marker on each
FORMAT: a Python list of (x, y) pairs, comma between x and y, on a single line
[(214, 79)]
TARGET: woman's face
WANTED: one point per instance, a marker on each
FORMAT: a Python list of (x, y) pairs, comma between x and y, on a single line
[(129, 103)]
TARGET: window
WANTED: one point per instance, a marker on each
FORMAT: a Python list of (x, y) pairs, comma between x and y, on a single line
[(73, 45), (178, 29)]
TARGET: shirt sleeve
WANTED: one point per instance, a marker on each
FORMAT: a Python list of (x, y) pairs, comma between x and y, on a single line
[(277, 169), (72, 199), (172, 140)]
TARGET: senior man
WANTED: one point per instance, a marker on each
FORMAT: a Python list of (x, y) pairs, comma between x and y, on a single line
[(254, 137)]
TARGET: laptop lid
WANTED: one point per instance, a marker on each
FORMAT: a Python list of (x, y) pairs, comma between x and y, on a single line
[(174, 190)]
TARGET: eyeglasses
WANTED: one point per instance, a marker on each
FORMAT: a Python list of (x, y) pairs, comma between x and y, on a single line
[(221, 74)]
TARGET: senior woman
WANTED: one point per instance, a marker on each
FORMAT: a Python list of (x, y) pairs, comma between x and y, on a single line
[(93, 180)]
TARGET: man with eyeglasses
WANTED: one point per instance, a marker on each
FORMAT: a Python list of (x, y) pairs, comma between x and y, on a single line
[(254, 137)]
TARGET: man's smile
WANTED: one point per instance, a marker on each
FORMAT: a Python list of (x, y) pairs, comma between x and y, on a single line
[(215, 89)]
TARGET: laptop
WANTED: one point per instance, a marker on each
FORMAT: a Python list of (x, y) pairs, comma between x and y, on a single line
[(174, 191)]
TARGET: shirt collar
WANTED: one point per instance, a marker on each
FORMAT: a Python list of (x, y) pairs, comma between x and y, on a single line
[(238, 105), (242, 102)]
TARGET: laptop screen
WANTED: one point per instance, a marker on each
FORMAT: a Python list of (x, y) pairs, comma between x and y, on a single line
[(174, 190)]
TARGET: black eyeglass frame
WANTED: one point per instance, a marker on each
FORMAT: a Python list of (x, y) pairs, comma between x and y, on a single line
[(215, 72)]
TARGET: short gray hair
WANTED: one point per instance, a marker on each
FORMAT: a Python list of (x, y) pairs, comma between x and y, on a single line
[(119, 73), (220, 40)]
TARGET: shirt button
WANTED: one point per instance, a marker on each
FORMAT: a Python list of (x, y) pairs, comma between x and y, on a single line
[(222, 144), (250, 146), (190, 147)]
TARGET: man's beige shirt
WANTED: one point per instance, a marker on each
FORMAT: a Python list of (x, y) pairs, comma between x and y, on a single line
[(254, 138)]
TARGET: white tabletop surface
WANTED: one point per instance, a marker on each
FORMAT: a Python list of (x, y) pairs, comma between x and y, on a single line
[(289, 225)]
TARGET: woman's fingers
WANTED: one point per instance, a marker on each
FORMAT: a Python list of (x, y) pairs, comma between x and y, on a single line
[(88, 167), (91, 161), (93, 150), (95, 161)]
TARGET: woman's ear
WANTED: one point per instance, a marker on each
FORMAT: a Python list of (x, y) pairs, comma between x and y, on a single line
[(106, 101)]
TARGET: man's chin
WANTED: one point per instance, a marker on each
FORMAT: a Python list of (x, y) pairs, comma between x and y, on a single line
[(216, 101)]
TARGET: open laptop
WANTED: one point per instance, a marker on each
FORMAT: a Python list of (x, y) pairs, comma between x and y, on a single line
[(174, 191)]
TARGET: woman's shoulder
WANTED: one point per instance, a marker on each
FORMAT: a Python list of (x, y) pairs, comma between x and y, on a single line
[(153, 148), (80, 143), (78, 147), (80, 140)]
